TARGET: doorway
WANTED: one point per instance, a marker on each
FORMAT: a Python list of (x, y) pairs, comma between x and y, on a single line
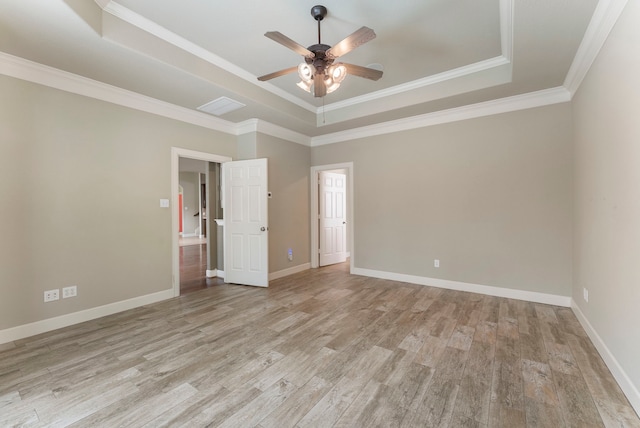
[(198, 203), (347, 169), (332, 216), (198, 256)]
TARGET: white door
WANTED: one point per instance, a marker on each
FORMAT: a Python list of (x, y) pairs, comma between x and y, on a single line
[(246, 227), (333, 218)]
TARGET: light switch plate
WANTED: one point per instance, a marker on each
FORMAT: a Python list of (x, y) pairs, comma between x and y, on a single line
[(164, 203)]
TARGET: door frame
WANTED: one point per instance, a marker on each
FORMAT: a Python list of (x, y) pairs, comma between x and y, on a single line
[(314, 221), (176, 154)]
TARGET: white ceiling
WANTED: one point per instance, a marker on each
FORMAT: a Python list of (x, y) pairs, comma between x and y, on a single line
[(436, 54)]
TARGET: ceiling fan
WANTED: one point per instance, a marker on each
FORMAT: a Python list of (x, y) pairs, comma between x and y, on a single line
[(319, 72)]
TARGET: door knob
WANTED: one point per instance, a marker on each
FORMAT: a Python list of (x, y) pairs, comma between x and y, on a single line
[(262, 229)]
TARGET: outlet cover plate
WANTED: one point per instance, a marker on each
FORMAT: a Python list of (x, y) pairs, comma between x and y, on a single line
[(51, 295), (71, 291)]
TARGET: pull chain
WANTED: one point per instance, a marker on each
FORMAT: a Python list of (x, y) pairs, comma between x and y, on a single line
[(324, 119)]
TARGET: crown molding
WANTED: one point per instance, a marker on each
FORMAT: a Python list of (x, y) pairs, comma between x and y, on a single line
[(506, 28), (604, 18), (24, 69), (256, 125), (506, 43), (30, 71), (127, 15), (247, 127), (420, 83), (506, 46), (488, 108)]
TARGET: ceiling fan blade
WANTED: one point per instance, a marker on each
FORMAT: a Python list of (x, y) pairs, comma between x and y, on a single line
[(360, 37), (367, 73), (319, 88), (277, 36), (278, 73)]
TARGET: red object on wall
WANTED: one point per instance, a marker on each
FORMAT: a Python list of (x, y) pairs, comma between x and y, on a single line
[(180, 212)]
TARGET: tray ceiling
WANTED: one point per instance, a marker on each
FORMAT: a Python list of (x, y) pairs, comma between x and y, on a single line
[(436, 54)]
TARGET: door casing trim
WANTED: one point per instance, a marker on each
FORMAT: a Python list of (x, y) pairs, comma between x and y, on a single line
[(176, 154), (313, 195)]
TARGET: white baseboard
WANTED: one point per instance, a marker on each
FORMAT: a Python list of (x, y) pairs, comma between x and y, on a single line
[(289, 271), (50, 324), (272, 276), (629, 389), (530, 296)]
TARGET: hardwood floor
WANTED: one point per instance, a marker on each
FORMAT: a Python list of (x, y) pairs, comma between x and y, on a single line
[(193, 268), (320, 348)]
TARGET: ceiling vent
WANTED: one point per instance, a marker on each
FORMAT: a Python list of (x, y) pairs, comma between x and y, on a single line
[(221, 106)]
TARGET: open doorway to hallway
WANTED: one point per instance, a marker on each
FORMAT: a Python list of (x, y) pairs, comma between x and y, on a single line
[(192, 214), (198, 236), (246, 246)]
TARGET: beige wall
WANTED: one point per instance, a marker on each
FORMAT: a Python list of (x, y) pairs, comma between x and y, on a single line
[(247, 146), (80, 184), (289, 168), (607, 193), (190, 200), (490, 198)]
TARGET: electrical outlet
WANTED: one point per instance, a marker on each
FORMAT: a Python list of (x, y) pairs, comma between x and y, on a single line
[(436, 263), (585, 294), (69, 291), (290, 255), (51, 295)]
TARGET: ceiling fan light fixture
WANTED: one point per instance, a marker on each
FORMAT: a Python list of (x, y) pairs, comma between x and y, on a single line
[(305, 71), (318, 73), (304, 85), (332, 88), (331, 84), (338, 73)]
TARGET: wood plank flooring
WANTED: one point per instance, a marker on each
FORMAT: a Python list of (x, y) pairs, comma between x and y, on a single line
[(193, 267), (320, 348)]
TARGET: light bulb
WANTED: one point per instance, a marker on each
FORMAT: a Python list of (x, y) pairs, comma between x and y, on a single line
[(338, 73), (304, 85), (305, 71), (331, 84)]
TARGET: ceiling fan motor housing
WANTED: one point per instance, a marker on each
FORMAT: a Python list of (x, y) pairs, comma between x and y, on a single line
[(320, 61), (318, 12)]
